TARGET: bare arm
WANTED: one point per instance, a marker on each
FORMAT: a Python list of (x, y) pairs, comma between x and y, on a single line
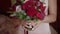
[(52, 4)]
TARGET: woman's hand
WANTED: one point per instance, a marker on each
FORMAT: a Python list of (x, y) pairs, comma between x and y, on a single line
[(31, 25)]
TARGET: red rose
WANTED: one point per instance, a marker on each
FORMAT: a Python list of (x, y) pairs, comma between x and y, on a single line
[(36, 2), (31, 0), (39, 15), (42, 8), (31, 11), (24, 6), (43, 11), (14, 7), (27, 4)]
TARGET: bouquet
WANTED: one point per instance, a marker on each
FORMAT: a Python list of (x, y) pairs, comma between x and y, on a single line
[(30, 10)]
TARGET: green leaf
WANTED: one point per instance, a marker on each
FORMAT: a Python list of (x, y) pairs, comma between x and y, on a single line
[(20, 15), (37, 20), (13, 1), (22, 1), (43, 0)]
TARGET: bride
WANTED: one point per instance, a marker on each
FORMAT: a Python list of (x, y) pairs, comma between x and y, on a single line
[(42, 27)]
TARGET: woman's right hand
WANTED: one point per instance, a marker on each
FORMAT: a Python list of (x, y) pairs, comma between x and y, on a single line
[(28, 25)]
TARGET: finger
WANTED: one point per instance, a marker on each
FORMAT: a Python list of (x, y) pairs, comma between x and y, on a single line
[(25, 28), (28, 26), (33, 23), (36, 26), (27, 23)]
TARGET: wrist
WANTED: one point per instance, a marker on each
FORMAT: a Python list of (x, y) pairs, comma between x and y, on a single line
[(49, 19)]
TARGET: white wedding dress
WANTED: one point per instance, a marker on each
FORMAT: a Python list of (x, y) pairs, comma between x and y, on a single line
[(44, 28)]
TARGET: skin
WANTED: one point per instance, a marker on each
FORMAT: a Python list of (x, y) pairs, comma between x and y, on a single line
[(52, 4)]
